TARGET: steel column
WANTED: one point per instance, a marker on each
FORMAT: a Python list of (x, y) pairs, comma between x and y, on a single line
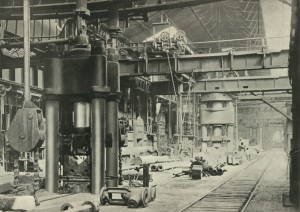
[(236, 126), (112, 130), (52, 120), (181, 121), (26, 22), (294, 70), (112, 145), (259, 136), (98, 145), (170, 133)]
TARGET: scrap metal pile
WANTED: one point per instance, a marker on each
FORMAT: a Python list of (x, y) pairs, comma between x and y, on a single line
[(200, 168)]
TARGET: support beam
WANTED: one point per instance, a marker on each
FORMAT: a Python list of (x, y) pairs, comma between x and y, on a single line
[(232, 61), (99, 9), (242, 84), (204, 63), (188, 64), (272, 106), (270, 97)]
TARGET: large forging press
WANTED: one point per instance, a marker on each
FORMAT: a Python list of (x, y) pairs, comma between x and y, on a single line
[(76, 90), (81, 105)]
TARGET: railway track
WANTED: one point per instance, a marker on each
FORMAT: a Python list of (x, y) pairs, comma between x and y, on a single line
[(234, 194)]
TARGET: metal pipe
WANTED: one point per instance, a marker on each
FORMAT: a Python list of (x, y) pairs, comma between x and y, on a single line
[(52, 120), (38, 43), (112, 142), (26, 22), (98, 145)]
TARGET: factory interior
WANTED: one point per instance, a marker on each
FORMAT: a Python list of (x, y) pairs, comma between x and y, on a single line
[(150, 105)]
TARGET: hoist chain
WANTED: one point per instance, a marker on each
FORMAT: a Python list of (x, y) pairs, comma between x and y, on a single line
[(36, 183), (16, 176), (120, 167)]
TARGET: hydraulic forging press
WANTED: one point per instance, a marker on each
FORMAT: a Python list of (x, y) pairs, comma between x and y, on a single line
[(81, 103)]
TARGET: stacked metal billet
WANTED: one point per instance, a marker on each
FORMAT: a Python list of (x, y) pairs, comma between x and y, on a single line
[(133, 197), (86, 206), (156, 168)]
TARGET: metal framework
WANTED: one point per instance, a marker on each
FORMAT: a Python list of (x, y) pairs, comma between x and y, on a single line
[(228, 85), (98, 8), (203, 63)]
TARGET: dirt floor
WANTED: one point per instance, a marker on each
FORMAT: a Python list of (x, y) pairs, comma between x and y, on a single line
[(175, 193), (274, 183)]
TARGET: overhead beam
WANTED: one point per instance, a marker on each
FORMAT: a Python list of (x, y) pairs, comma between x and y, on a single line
[(233, 61), (204, 63), (272, 97), (242, 84), (235, 84), (97, 8), (226, 85), (187, 64)]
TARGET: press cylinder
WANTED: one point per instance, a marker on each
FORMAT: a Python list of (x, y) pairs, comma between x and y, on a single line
[(217, 105), (217, 131), (82, 114)]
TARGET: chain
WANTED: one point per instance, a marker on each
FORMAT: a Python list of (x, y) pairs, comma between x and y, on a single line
[(16, 175), (120, 167), (36, 183)]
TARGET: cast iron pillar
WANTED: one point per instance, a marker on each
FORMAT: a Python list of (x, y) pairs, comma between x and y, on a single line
[(112, 130), (52, 120)]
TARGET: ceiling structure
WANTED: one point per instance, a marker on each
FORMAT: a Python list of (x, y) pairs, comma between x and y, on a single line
[(201, 20), (224, 20)]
